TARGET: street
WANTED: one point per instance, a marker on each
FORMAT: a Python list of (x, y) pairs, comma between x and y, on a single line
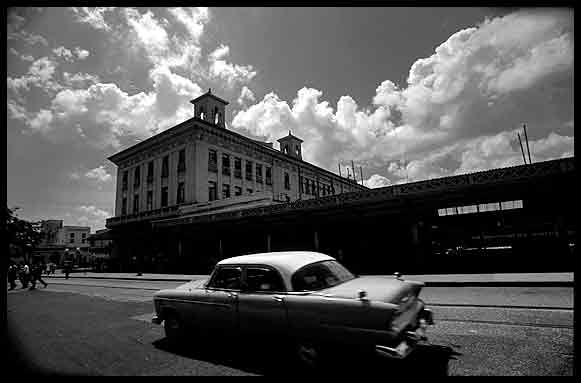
[(102, 327)]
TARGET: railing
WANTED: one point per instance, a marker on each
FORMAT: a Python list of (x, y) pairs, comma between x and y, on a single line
[(142, 216)]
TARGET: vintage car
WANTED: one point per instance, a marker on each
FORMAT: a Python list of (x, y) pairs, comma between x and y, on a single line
[(306, 296)]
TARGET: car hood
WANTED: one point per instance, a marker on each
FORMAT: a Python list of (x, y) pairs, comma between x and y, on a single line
[(383, 289), (194, 284)]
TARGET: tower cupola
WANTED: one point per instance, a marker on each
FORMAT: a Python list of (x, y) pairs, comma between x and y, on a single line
[(210, 108), (291, 146)]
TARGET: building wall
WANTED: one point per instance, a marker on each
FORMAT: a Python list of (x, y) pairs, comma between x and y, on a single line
[(78, 234), (197, 176)]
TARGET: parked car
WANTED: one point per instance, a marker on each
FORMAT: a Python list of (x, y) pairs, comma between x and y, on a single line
[(307, 296)]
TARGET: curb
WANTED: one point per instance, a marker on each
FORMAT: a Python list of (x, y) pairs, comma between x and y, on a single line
[(428, 284)]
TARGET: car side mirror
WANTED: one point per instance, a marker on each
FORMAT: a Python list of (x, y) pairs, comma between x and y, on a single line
[(362, 295)]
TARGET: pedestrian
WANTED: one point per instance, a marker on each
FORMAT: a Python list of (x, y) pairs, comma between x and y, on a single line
[(67, 269), (25, 275), (52, 267), (36, 275), (12, 275)]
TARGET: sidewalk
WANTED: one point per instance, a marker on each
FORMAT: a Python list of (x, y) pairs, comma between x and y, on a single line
[(505, 279)]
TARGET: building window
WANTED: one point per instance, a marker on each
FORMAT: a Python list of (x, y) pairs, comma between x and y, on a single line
[(301, 184), (149, 200), (249, 170), (237, 167), (182, 161), (508, 205), (124, 206), (164, 196), (225, 191), (248, 191), (307, 186), (268, 175), (226, 164), (286, 181), (135, 203), (72, 235), (237, 190), (212, 160), (125, 178), (484, 207), (137, 177), (212, 191), (84, 235), (165, 167), (181, 193), (259, 173), (150, 172), (72, 240)]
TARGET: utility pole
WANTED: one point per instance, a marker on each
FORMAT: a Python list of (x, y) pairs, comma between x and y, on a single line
[(527, 141), (521, 149), (361, 172)]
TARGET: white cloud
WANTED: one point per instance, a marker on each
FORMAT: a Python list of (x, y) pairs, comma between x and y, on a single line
[(93, 216), (231, 73), (80, 79), (40, 74), (64, 53), (92, 16), (246, 96), (465, 97), (103, 115), (99, 174), (81, 53), (193, 19), (377, 181)]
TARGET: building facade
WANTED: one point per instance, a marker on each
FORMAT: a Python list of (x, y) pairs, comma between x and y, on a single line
[(61, 242), (200, 166)]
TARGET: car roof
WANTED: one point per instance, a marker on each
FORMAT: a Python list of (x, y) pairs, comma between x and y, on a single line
[(286, 262)]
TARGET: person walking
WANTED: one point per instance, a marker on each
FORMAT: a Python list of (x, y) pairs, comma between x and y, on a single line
[(36, 275), (12, 275), (25, 275)]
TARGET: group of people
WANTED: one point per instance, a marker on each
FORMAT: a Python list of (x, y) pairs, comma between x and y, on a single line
[(26, 274)]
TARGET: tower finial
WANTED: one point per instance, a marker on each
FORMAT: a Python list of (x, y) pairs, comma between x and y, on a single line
[(210, 90)]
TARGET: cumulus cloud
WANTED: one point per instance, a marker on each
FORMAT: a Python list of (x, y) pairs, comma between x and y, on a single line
[(40, 74), (377, 181), (81, 53), (92, 16), (457, 111), (102, 115), (231, 73), (246, 96), (80, 79), (99, 174), (92, 216)]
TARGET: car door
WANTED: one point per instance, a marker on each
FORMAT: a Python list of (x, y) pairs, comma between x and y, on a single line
[(261, 303), (219, 308)]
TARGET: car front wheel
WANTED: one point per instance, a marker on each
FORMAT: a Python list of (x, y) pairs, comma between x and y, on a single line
[(172, 326), (309, 354)]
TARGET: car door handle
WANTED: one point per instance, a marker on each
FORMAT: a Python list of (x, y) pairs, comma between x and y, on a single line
[(278, 299), (232, 295)]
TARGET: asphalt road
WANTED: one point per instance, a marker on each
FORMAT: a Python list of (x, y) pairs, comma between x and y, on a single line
[(88, 327)]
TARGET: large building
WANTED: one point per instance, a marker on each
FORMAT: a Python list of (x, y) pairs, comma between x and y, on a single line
[(59, 242), (201, 167)]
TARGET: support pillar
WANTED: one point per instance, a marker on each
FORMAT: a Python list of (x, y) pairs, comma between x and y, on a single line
[(316, 241), (268, 243)]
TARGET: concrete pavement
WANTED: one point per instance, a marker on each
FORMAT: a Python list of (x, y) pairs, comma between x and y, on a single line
[(504, 279)]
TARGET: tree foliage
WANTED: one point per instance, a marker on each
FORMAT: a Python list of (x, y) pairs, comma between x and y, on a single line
[(21, 234)]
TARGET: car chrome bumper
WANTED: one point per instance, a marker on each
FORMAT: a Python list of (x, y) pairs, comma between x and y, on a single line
[(411, 338), (156, 320)]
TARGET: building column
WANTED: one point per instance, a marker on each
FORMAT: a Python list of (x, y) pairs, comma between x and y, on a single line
[(268, 239), (316, 237)]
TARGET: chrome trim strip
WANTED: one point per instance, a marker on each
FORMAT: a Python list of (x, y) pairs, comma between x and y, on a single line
[(195, 302)]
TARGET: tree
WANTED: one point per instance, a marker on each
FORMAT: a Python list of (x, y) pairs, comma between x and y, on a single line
[(22, 235)]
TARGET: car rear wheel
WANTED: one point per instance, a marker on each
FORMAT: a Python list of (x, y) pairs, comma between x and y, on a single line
[(172, 326), (309, 354)]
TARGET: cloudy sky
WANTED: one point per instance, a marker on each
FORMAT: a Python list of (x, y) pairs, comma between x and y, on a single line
[(406, 93)]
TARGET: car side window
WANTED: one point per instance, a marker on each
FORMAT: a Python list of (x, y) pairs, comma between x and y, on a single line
[(227, 278), (263, 279)]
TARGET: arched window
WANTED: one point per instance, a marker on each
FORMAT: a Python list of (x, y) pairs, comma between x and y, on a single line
[(285, 150), (297, 150)]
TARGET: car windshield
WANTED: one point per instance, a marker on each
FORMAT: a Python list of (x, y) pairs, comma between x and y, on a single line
[(320, 275)]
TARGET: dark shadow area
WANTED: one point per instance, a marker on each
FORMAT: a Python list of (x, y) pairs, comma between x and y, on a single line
[(269, 358)]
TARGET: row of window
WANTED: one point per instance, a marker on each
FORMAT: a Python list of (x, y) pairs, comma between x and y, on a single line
[(150, 170), (226, 168), (309, 186), (72, 237), (480, 208), (226, 191), (180, 198)]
